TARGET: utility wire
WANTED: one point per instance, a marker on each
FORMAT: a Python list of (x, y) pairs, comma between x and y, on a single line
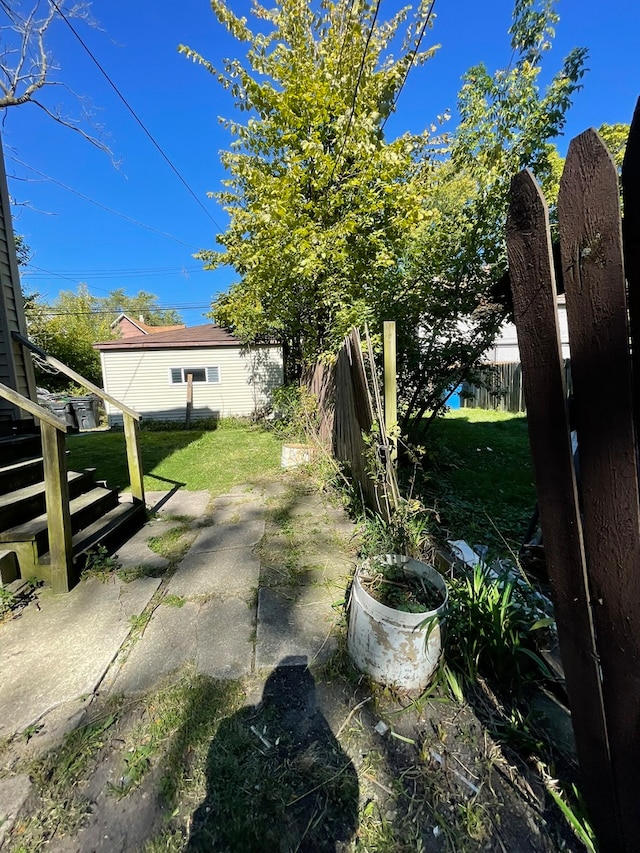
[(355, 91), (46, 311), (135, 115), (414, 53), (101, 206), (107, 274)]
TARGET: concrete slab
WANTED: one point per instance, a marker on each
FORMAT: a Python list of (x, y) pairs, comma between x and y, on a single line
[(229, 536), (226, 639), (60, 652), (217, 635), (15, 791), (294, 622), (136, 552), (238, 510), (232, 572), (180, 503)]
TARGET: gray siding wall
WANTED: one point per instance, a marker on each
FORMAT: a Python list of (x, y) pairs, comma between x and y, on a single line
[(16, 368), (142, 380)]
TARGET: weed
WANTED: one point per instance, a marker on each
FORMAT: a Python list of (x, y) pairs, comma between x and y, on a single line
[(573, 810), (56, 777), (7, 600), (139, 622), (137, 761), (297, 410), (181, 720), (174, 601), (406, 532), (174, 543), (31, 731), (136, 572), (100, 564), (475, 820), (167, 842)]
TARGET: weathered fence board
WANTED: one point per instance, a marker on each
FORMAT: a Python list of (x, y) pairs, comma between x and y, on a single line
[(534, 296), (631, 233), (346, 413), (503, 388), (592, 260)]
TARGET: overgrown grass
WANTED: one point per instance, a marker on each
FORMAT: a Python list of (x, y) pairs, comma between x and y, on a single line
[(216, 460), (480, 476)]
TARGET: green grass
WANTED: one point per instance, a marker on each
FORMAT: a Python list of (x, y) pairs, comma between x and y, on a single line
[(480, 475), (216, 460)]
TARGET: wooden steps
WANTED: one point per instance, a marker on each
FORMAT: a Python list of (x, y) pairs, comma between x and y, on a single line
[(98, 518)]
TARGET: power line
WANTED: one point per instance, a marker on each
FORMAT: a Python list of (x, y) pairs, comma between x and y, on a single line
[(135, 115), (355, 91), (100, 205), (414, 53), (100, 312), (73, 274)]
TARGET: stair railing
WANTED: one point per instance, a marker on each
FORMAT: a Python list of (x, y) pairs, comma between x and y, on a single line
[(56, 488), (130, 417)]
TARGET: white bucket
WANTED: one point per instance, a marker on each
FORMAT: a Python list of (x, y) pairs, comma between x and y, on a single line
[(388, 644), (294, 455)]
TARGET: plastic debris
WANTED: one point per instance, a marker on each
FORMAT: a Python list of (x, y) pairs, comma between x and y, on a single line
[(261, 737)]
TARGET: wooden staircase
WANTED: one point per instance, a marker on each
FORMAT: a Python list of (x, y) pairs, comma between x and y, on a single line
[(98, 517)]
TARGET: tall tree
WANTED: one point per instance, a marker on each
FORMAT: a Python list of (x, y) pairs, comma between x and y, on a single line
[(68, 327), (320, 203), (507, 123), (332, 225)]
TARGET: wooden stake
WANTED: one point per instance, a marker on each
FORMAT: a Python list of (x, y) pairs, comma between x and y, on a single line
[(390, 386)]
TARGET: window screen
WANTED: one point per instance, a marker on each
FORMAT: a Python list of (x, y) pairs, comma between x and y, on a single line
[(210, 375)]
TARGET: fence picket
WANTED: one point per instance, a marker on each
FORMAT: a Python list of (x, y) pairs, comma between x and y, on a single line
[(631, 232), (592, 261), (534, 297)]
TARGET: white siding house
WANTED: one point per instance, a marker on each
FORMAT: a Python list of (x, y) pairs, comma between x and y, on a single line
[(503, 389), (149, 374), (505, 349)]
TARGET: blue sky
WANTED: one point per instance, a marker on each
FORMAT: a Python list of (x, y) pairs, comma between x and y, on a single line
[(74, 241)]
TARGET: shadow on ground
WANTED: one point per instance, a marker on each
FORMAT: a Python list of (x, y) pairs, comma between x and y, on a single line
[(277, 778)]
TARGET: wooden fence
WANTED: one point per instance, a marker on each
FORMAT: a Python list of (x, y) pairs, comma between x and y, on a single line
[(502, 389), (590, 519), (349, 405)]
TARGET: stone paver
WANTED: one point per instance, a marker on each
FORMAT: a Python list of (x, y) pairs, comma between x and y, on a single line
[(194, 505), (53, 658), (14, 793), (218, 537), (294, 622), (217, 636), (61, 651), (136, 552), (225, 573)]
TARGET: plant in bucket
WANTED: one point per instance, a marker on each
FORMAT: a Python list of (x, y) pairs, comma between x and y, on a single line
[(396, 613)]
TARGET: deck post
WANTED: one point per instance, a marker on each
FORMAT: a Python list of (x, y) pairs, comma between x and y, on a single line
[(134, 457), (57, 502)]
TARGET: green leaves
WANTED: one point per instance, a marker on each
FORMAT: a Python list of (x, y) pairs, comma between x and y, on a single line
[(68, 327), (321, 205)]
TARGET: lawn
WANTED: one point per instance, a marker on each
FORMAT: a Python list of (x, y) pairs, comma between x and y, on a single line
[(216, 460), (479, 476)]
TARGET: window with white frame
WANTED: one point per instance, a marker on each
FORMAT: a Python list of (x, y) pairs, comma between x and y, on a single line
[(209, 375)]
